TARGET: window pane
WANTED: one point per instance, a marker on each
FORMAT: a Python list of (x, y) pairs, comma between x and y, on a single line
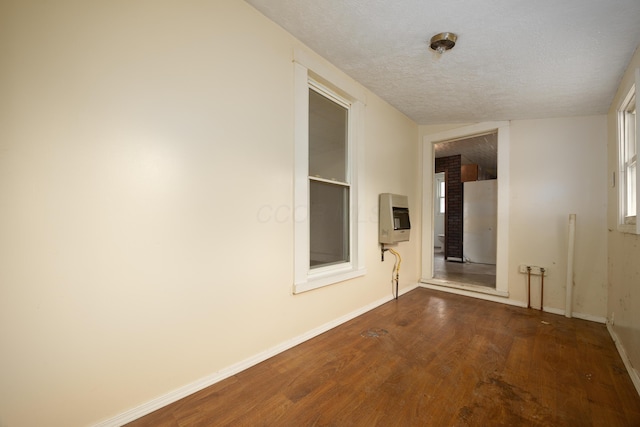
[(327, 138), (630, 158), (630, 120), (329, 223), (631, 190), (442, 205)]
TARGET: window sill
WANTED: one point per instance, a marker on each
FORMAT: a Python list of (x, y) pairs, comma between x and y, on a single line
[(315, 281), (628, 228)]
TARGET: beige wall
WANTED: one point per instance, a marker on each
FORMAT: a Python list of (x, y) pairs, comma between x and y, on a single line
[(556, 168), (623, 309), (146, 189)]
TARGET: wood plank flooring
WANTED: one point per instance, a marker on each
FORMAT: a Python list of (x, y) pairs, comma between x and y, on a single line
[(429, 359)]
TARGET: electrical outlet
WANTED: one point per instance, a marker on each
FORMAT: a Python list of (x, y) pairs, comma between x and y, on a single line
[(535, 270)]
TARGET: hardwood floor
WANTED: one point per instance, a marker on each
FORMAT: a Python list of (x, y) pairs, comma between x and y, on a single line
[(429, 359)]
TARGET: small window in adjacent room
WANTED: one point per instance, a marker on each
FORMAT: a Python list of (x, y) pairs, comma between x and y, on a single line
[(441, 196), (628, 161)]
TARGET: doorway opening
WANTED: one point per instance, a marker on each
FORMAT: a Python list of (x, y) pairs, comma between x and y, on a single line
[(472, 253), (466, 209)]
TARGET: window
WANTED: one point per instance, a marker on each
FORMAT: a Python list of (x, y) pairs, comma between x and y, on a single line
[(327, 188), (628, 161), (441, 196)]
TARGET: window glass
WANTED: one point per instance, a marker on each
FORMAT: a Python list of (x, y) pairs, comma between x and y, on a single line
[(628, 159), (631, 191), (327, 138), (329, 224), (631, 158), (328, 180)]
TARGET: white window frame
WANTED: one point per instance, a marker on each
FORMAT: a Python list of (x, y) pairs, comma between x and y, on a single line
[(627, 224), (309, 70)]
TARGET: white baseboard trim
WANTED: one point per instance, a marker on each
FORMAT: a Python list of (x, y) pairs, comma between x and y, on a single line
[(473, 293), (635, 378), (589, 317), (583, 316), (177, 394), (552, 310)]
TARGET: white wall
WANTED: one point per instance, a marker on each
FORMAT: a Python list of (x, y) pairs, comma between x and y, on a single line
[(556, 168), (624, 249), (146, 191)]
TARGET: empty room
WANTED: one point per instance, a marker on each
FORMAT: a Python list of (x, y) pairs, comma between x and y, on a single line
[(342, 213)]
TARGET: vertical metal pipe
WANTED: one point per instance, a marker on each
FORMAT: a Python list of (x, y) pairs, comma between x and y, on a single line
[(541, 289), (528, 287), (570, 256)]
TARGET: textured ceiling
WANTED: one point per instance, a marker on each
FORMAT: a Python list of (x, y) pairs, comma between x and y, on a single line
[(480, 150), (514, 59)]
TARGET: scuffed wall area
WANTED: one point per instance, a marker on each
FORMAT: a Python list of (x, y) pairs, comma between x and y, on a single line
[(623, 310), (557, 169)]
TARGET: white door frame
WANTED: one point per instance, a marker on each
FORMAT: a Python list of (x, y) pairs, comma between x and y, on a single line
[(502, 253)]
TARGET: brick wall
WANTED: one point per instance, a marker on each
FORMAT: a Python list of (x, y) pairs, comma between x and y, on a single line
[(453, 208)]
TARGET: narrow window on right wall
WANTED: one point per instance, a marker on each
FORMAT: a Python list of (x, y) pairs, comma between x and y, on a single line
[(628, 163)]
